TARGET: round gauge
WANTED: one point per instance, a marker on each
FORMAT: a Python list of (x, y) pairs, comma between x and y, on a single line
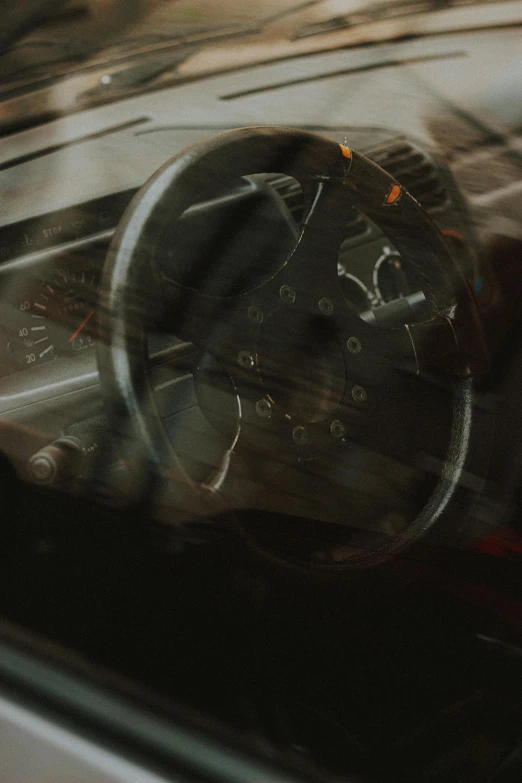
[(54, 316), (389, 279), (356, 295)]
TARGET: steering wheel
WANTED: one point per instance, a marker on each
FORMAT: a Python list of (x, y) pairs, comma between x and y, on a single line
[(302, 371)]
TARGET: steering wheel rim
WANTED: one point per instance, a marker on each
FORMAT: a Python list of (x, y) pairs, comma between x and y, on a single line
[(317, 164)]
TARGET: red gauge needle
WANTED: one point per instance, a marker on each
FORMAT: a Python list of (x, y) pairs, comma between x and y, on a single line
[(85, 321)]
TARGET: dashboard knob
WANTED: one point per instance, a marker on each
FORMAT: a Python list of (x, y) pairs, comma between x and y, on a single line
[(53, 463)]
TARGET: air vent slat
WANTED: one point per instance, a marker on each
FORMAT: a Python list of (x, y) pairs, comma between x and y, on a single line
[(404, 158), (290, 191), (412, 168), (413, 171)]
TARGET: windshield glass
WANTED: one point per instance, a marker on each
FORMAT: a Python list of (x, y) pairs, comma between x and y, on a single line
[(86, 53), (261, 376)]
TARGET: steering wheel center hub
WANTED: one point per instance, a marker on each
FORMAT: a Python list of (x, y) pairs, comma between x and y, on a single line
[(302, 365)]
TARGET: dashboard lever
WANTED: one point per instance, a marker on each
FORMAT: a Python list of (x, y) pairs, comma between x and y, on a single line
[(398, 312)]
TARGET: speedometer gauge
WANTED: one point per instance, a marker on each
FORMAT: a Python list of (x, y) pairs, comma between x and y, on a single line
[(53, 315)]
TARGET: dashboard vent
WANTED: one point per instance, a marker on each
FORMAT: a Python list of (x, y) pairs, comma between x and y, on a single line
[(290, 191), (412, 168)]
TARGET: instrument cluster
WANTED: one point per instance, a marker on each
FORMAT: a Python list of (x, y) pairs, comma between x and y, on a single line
[(373, 274), (48, 309)]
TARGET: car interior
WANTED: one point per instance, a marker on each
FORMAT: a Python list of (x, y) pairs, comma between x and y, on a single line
[(260, 394)]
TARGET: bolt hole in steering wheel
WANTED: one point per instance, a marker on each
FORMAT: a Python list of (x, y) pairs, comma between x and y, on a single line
[(317, 410)]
